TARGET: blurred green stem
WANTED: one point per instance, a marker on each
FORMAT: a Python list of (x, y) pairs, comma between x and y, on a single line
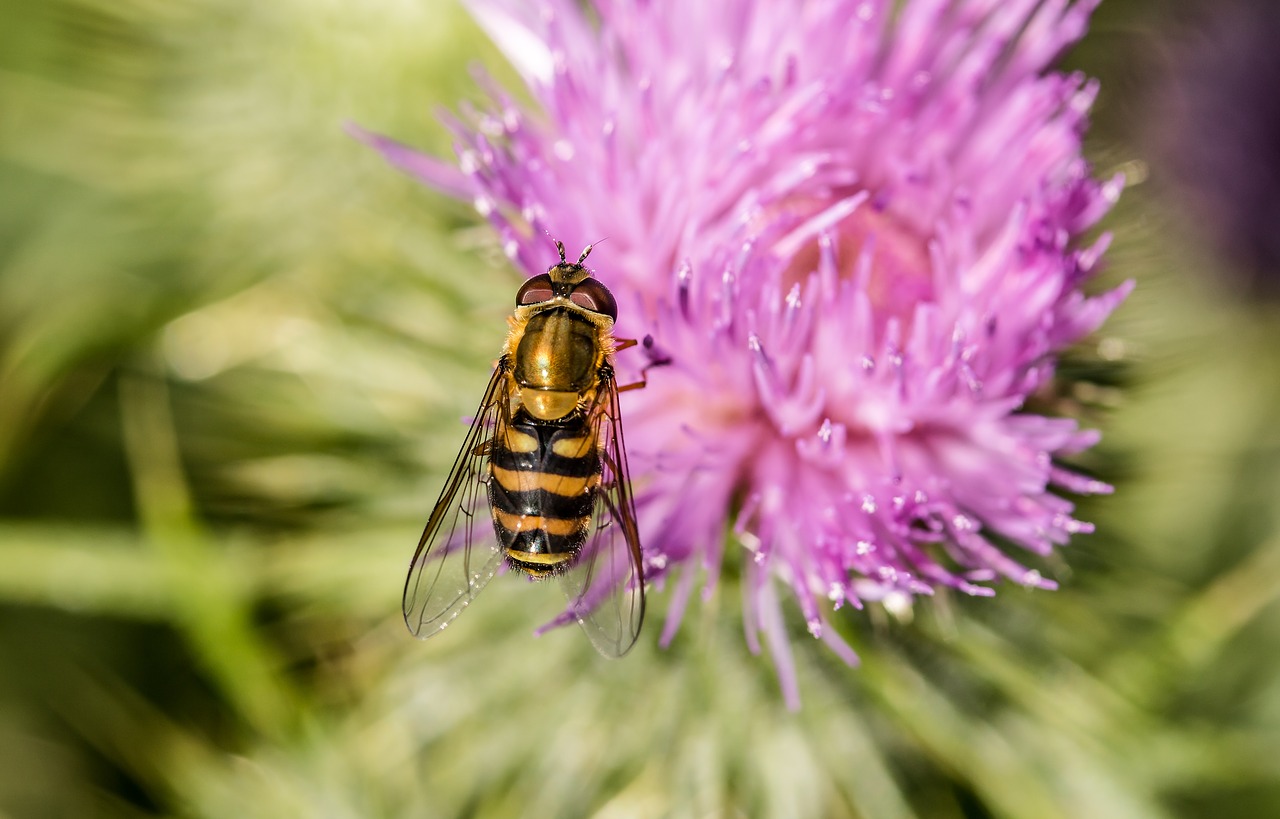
[(1195, 637), (211, 606)]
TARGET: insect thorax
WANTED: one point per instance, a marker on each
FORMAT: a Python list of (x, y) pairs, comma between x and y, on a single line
[(556, 360)]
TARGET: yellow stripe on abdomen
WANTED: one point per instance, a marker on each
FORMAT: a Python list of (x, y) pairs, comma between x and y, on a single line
[(514, 480), (572, 447), (561, 527), (541, 559), (517, 441)]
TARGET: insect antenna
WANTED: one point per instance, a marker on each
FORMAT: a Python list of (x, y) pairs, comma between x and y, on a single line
[(587, 251)]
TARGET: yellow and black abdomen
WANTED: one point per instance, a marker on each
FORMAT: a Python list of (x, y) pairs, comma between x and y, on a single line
[(544, 476)]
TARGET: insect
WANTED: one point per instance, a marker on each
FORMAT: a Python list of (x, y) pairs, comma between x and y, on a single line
[(545, 449)]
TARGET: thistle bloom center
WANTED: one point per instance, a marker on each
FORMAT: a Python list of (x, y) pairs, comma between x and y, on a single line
[(889, 254)]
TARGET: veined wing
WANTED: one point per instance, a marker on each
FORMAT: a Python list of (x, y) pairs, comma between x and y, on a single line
[(605, 584), (458, 553)]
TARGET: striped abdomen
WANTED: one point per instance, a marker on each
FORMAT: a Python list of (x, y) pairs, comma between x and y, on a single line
[(544, 479)]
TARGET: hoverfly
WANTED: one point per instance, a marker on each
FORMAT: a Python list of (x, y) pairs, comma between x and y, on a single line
[(545, 449)]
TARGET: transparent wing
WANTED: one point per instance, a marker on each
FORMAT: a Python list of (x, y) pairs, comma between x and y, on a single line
[(605, 584), (459, 552)]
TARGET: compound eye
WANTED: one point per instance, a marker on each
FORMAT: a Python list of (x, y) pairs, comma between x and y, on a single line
[(594, 296), (535, 291)]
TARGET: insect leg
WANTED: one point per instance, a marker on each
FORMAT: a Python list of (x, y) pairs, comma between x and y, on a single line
[(656, 359)]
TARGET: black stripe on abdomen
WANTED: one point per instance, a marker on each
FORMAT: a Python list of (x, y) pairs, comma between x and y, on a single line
[(540, 502), (543, 460), (539, 542)]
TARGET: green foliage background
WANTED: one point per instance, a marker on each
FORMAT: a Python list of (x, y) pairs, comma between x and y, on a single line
[(234, 349)]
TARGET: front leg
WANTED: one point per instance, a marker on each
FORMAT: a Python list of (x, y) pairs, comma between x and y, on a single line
[(656, 359)]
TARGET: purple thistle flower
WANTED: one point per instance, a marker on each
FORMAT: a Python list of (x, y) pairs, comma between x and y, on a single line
[(854, 239)]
